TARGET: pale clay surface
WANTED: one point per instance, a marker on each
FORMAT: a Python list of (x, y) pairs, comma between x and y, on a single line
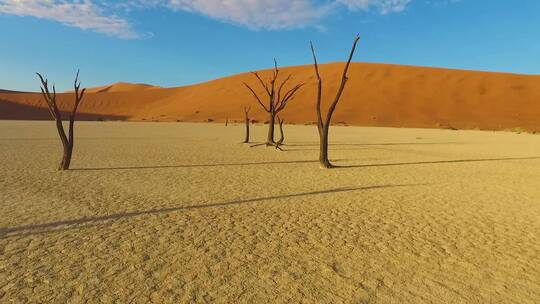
[(184, 213)]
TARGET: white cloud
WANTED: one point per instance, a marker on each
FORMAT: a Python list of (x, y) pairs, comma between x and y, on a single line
[(83, 14), (256, 14), (278, 14), (383, 6), (101, 16)]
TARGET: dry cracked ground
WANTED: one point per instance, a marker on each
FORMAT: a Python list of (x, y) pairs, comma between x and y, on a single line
[(184, 213)]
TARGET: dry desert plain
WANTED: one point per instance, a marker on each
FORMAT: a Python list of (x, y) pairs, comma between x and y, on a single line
[(184, 213)]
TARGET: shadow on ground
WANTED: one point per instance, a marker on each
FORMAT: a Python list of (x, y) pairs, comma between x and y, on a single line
[(374, 144), (309, 161), (200, 165), (19, 231), (439, 162)]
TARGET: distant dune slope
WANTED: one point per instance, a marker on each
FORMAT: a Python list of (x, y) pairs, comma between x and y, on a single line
[(376, 95), (122, 87)]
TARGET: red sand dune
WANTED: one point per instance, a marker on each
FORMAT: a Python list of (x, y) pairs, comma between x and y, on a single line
[(376, 95), (122, 87)]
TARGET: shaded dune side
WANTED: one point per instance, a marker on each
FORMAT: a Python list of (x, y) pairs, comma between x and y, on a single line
[(12, 110), (376, 95)]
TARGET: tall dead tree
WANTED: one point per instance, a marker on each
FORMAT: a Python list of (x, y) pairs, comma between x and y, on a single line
[(323, 125), (246, 116), (50, 99), (281, 134), (277, 98)]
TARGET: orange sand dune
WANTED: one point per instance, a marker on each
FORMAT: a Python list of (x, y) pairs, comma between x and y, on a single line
[(122, 87), (376, 95)]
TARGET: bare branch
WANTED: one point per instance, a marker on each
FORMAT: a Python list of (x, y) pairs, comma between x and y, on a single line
[(82, 94), (288, 97), (263, 84), (344, 79), (256, 97), (272, 94), (49, 99), (78, 97), (276, 70), (76, 80), (319, 89), (281, 88)]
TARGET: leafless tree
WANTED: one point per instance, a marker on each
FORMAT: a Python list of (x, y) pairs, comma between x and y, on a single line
[(323, 125), (277, 98), (281, 134), (246, 116), (50, 99)]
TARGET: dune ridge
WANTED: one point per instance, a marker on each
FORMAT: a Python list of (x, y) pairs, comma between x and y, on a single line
[(377, 95), (121, 87)]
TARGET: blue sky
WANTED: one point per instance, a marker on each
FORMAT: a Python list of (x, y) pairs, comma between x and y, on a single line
[(178, 42)]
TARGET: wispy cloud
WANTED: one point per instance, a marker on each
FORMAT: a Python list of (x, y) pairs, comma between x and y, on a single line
[(279, 14), (102, 16), (257, 14), (383, 6), (83, 14)]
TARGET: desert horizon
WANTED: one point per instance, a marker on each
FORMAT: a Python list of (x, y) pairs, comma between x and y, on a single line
[(413, 97)]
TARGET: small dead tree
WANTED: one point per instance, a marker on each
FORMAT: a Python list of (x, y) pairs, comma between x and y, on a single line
[(323, 125), (50, 99), (246, 116), (277, 98), (281, 134)]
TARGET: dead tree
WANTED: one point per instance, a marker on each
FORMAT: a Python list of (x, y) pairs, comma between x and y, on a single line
[(246, 116), (323, 125), (281, 134), (277, 99), (50, 99)]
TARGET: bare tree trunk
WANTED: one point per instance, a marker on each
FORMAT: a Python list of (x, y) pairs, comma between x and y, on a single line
[(278, 98), (67, 141), (271, 122), (323, 149), (281, 134), (246, 140), (246, 116), (323, 125), (66, 158), (68, 147)]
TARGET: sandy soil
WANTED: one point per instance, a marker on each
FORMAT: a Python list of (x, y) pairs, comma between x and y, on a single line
[(376, 95), (182, 213)]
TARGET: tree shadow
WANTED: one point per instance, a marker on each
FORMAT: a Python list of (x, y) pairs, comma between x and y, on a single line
[(200, 165), (374, 144), (360, 146), (330, 148), (89, 221), (438, 162)]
